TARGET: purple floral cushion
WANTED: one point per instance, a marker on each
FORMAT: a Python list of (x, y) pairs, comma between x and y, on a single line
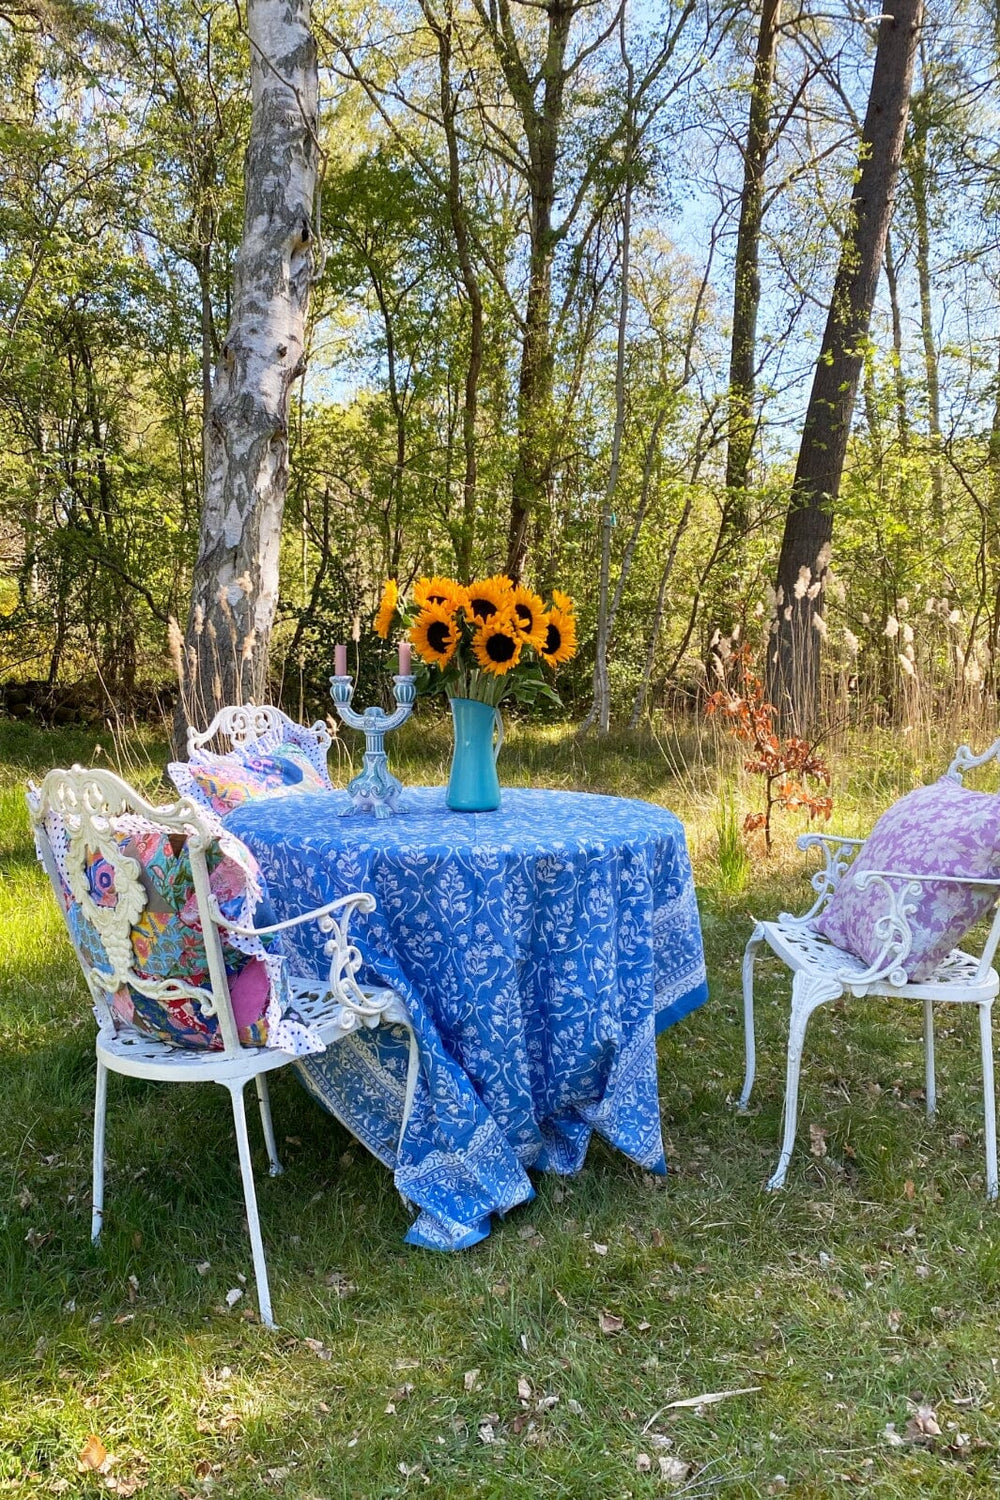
[(942, 829)]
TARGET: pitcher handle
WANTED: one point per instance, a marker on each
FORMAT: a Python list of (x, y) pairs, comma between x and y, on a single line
[(498, 721)]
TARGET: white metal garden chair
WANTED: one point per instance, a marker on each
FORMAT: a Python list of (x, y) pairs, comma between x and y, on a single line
[(253, 725), (823, 972), (76, 816)]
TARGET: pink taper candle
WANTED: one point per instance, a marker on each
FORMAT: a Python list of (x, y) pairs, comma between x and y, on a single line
[(340, 660), (404, 659)]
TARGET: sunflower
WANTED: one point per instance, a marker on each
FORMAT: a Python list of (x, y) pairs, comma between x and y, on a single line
[(435, 634), (563, 602), (529, 616), (560, 637), (444, 591), (487, 595), (387, 608), (497, 643)]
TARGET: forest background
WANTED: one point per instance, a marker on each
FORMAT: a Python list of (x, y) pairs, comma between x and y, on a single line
[(551, 196)]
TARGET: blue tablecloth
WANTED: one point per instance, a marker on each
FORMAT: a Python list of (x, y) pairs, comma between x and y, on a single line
[(539, 949)]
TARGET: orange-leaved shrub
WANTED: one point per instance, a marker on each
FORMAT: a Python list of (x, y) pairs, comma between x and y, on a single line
[(785, 765)]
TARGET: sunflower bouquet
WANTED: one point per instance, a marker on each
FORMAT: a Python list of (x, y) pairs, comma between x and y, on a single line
[(486, 640)]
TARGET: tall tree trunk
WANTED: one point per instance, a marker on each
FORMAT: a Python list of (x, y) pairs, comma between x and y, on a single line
[(463, 245), (601, 707), (793, 658), (898, 382), (992, 542), (541, 123), (235, 586), (746, 281), (918, 172)]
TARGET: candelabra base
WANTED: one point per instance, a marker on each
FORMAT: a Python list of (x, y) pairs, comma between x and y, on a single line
[(374, 790)]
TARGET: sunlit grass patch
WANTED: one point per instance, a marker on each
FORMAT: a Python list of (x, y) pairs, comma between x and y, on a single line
[(543, 1362)]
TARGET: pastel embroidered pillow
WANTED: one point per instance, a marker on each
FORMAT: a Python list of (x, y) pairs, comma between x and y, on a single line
[(942, 829), (222, 782), (293, 758), (167, 939)]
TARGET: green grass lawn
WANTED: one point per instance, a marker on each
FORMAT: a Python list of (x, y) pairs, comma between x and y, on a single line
[(868, 1289)]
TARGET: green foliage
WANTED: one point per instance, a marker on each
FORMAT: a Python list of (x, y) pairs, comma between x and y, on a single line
[(731, 857), (122, 133)]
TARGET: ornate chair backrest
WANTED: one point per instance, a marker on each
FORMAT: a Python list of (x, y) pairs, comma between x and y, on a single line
[(79, 817), (965, 760), (264, 727)]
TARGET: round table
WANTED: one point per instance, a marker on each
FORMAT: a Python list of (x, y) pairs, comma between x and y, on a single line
[(539, 949)]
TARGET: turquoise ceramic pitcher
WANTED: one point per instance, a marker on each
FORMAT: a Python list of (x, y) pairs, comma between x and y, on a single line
[(473, 785)]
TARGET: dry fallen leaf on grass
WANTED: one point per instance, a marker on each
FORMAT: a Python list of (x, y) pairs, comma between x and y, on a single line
[(922, 1426), (643, 1463), (94, 1457), (233, 1295), (318, 1348), (471, 1379), (817, 1140), (410, 1471), (674, 1470), (611, 1322), (523, 1388)]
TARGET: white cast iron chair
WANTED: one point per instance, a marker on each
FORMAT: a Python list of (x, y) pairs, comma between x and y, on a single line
[(90, 807), (822, 972), (252, 726)]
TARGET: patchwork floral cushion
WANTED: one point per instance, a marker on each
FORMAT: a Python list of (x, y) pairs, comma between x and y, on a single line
[(222, 782), (167, 940), (942, 829)]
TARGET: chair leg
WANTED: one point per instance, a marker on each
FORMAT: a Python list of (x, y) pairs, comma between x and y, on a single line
[(807, 993), (250, 1197), (750, 1042), (989, 1096), (100, 1116), (930, 1082), (264, 1100)]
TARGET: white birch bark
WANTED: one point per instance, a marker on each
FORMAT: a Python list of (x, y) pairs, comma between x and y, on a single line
[(235, 586)]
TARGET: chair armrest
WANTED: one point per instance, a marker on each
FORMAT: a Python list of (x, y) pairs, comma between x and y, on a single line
[(901, 888), (838, 852), (345, 959), (356, 901)]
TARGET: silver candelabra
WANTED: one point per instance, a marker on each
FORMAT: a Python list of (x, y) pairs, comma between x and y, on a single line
[(374, 789)]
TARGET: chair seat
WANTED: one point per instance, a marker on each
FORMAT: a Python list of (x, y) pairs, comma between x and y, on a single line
[(137, 1054), (804, 950)]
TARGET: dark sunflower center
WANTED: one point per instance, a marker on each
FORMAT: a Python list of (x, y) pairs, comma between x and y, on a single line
[(435, 599), (553, 639), (483, 608), (500, 647), (439, 635), (525, 616)]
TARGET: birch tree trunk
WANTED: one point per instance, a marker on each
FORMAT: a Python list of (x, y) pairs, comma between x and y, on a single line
[(235, 586), (793, 657)]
